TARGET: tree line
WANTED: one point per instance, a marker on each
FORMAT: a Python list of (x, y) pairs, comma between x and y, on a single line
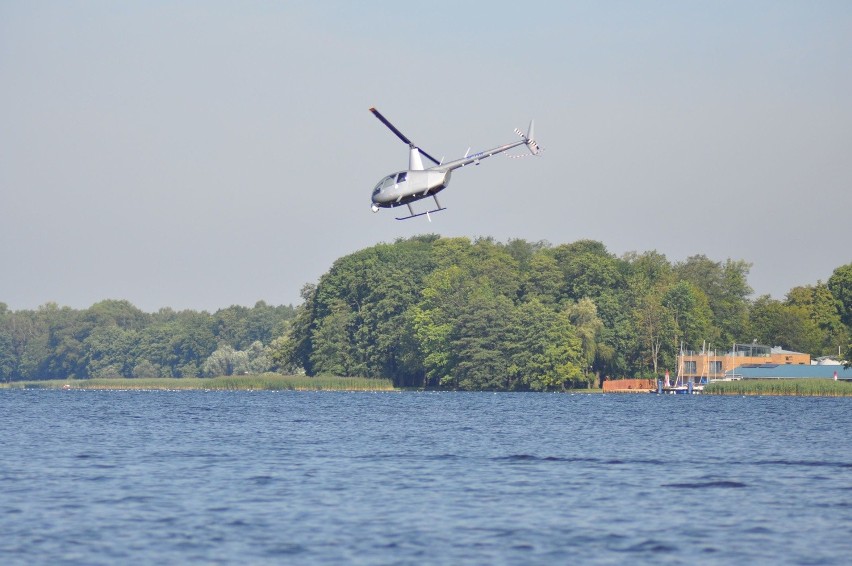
[(479, 314), (452, 313), (115, 339)]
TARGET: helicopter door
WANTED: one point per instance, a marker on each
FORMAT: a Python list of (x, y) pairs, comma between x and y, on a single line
[(401, 177)]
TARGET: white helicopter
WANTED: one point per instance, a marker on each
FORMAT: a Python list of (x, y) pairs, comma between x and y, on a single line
[(405, 187)]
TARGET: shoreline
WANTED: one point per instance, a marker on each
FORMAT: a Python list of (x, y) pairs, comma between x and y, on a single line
[(277, 382), (264, 382)]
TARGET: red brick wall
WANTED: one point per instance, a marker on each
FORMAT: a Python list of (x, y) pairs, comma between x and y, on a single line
[(630, 385)]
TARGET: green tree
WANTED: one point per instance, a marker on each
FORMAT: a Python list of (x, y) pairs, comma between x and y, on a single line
[(241, 326), (543, 278), (146, 369), (29, 334), (779, 324), (107, 352), (302, 330), (523, 251), (191, 341), (823, 310), (121, 314), (647, 271), (332, 344), (281, 354), (258, 358), (8, 361), (691, 315), (727, 290), (589, 329), (479, 358), (840, 285), (56, 348), (648, 276), (377, 285), (432, 320), (655, 328), (228, 361), (588, 269), (546, 351)]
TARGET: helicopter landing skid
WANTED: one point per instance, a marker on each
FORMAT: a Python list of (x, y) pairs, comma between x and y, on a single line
[(427, 213)]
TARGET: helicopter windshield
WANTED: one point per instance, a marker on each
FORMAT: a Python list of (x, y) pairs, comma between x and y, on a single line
[(388, 181)]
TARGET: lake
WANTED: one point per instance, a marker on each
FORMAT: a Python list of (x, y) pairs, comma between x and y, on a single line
[(107, 477)]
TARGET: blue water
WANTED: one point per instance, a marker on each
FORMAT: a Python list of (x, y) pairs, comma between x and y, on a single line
[(111, 477)]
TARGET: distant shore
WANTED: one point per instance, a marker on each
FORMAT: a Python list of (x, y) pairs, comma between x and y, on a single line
[(264, 382), (277, 382)]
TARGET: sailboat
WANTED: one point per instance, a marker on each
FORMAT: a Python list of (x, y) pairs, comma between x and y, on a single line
[(683, 385)]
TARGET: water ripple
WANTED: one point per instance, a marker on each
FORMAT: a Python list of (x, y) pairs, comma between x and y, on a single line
[(706, 484), (412, 478)]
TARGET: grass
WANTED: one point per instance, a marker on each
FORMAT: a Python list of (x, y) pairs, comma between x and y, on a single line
[(277, 382), (793, 387), (263, 382), (584, 390)]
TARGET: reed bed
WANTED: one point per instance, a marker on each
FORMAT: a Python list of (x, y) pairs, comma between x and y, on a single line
[(264, 382), (792, 387)]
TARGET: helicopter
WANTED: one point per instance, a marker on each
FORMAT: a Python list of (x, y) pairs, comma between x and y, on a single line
[(418, 182)]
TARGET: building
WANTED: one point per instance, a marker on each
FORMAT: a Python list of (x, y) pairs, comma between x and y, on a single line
[(712, 364), (778, 371)]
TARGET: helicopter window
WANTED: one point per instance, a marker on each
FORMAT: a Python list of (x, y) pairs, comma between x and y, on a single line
[(387, 181), (401, 177)]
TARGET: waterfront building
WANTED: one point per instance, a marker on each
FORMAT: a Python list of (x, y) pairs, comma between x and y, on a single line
[(710, 364), (778, 371)]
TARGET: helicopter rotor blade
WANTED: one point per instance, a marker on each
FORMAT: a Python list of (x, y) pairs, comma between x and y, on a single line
[(402, 136), (390, 126), (427, 156)]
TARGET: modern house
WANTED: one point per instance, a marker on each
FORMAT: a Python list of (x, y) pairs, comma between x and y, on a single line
[(710, 364)]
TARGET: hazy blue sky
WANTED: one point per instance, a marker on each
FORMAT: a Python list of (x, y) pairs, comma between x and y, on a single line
[(202, 154)]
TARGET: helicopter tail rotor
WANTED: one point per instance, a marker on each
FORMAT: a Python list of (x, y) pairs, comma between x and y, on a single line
[(529, 139)]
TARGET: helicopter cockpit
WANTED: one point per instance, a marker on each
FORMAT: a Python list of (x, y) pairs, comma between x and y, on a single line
[(390, 181)]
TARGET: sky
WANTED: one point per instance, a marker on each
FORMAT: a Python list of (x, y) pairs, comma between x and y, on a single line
[(202, 154)]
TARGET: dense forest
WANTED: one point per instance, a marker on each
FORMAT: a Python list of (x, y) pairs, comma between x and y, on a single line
[(451, 312), (116, 339), (448, 312)]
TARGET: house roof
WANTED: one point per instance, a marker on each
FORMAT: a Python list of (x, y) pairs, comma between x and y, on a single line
[(780, 350)]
